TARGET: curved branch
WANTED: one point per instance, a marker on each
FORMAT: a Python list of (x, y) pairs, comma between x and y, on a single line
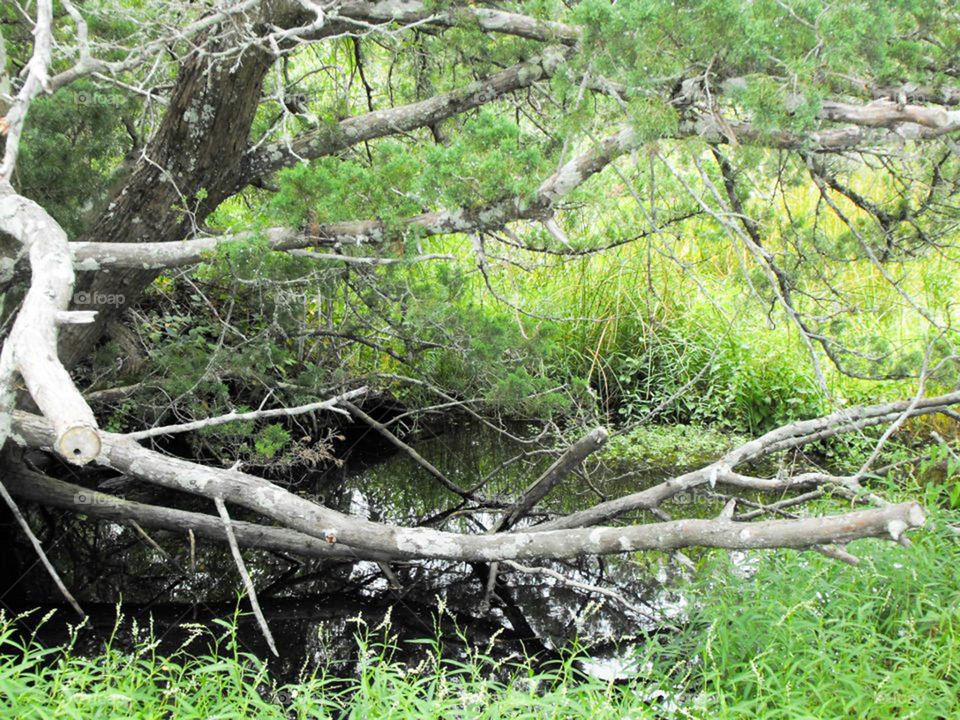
[(31, 347), (92, 256)]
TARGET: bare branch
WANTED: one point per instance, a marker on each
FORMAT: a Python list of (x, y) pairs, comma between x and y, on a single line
[(410, 452), (25, 526), (487, 19), (300, 514), (242, 568), (783, 438), (31, 347), (570, 459), (32, 486), (330, 405), (91, 256)]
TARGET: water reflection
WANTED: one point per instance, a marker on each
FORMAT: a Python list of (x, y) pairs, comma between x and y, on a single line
[(316, 608)]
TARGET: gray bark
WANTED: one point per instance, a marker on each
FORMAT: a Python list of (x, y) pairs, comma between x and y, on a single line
[(334, 527), (27, 485)]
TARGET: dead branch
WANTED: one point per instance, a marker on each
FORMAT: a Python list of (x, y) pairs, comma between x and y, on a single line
[(541, 487), (786, 437), (245, 576), (410, 452), (300, 514), (230, 417), (34, 487), (25, 526), (31, 347)]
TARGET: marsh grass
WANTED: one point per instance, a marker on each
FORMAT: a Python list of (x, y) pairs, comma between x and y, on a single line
[(38, 682), (810, 638)]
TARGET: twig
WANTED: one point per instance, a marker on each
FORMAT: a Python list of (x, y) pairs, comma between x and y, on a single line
[(248, 583), (414, 455), (330, 404), (43, 556)]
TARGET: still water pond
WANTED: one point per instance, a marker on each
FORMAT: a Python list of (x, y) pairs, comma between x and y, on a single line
[(315, 610)]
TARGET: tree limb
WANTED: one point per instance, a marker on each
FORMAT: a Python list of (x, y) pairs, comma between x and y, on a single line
[(28, 485), (300, 514)]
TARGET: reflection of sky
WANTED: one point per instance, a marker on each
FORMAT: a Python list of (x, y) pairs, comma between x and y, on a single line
[(392, 488)]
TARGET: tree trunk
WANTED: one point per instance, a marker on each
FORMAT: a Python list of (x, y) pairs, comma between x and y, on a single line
[(198, 145)]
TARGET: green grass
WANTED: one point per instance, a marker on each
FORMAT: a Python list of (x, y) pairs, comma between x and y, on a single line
[(54, 683), (808, 637), (670, 446)]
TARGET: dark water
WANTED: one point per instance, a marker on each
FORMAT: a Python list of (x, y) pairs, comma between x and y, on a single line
[(316, 609)]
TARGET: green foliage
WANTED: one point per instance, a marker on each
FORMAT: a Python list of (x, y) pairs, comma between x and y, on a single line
[(227, 683), (87, 120), (489, 159), (684, 323), (940, 470), (670, 446), (807, 636), (270, 440), (780, 635), (335, 189), (747, 384)]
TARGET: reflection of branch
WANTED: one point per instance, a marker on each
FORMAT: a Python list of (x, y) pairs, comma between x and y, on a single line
[(561, 467), (588, 588), (413, 454)]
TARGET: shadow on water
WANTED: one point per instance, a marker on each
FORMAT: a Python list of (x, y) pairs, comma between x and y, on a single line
[(315, 609)]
